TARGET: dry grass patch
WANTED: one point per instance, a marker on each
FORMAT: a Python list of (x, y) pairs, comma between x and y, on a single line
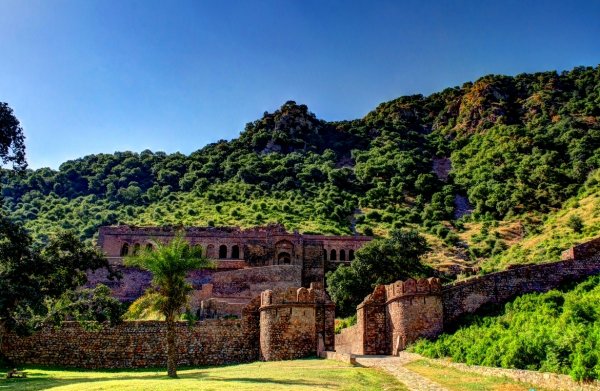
[(456, 380)]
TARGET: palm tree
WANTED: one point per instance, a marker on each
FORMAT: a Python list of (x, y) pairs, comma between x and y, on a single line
[(169, 264)]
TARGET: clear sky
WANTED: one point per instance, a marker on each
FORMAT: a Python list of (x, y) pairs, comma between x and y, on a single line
[(88, 76)]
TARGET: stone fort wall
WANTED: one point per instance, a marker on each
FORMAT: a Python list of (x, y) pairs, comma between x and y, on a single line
[(398, 314), (134, 345), (277, 325)]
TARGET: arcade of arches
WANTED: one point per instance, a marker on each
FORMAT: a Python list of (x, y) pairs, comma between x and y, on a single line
[(233, 248)]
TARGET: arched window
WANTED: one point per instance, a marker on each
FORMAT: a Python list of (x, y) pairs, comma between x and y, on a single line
[(351, 255), (199, 247), (325, 254), (235, 252), (342, 255), (222, 251), (136, 249), (284, 259), (149, 247), (210, 251), (333, 256), (124, 250)]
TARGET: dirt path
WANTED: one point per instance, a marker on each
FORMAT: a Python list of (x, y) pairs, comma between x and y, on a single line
[(395, 366)]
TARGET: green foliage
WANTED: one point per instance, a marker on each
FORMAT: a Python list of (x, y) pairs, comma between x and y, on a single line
[(169, 264), (558, 331), (343, 323), (575, 223), (381, 261), (39, 283), (518, 146), (144, 308), (12, 140)]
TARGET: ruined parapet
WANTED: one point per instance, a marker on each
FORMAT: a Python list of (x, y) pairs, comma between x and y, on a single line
[(371, 321), (295, 323), (587, 250), (414, 310)]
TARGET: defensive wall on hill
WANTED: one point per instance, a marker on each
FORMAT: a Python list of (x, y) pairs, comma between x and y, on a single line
[(277, 325), (398, 314)]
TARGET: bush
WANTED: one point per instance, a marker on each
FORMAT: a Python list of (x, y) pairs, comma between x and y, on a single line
[(575, 223), (343, 323)]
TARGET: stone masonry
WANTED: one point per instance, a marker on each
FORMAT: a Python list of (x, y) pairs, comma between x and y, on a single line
[(295, 323), (276, 325)]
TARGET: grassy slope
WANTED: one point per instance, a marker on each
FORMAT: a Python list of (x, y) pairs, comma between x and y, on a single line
[(552, 235), (311, 374)]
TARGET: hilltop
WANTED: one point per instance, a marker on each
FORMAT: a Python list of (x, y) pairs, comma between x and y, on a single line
[(490, 171)]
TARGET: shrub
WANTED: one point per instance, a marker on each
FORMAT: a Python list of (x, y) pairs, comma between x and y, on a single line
[(343, 323), (575, 223)]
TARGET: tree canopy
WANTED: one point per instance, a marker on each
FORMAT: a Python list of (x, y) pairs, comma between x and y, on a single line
[(12, 140), (381, 261)]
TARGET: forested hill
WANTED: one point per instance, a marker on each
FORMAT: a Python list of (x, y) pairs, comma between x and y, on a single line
[(519, 147)]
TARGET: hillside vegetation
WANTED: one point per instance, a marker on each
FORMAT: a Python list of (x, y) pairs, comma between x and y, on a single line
[(515, 155)]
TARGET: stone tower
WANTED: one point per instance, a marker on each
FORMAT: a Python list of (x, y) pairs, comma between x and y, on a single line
[(295, 323)]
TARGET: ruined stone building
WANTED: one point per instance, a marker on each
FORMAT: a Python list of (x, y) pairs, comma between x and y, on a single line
[(248, 260)]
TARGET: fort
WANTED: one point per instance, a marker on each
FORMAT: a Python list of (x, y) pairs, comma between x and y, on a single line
[(248, 261), (290, 322)]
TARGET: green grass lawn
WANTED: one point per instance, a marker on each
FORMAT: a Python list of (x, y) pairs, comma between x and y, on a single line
[(309, 374)]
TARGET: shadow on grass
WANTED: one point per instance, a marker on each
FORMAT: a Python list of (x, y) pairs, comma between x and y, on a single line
[(42, 381)]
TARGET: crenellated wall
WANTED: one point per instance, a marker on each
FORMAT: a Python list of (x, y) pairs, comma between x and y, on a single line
[(413, 310), (397, 314), (393, 316), (295, 323), (468, 296)]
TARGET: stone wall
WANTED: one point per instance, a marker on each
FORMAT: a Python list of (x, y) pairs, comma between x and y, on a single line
[(583, 251), (550, 381), (413, 310), (395, 315), (349, 340), (469, 295), (135, 345), (275, 326), (252, 281), (370, 318)]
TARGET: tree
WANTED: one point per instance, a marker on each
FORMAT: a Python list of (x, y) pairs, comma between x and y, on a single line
[(12, 140), (169, 264), (381, 261), (575, 223), (39, 284)]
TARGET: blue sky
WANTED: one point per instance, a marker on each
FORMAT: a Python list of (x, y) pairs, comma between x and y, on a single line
[(88, 76)]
